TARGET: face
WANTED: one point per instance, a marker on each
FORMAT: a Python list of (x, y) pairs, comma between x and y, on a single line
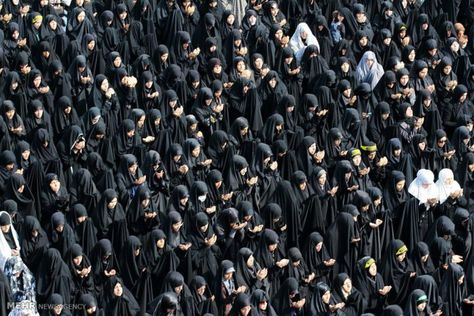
[(421, 307), (401, 257), (411, 56), (91, 45), (55, 185), (228, 276), (160, 243), (230, 19), (112, 204), (58, 309), (118, 290), (262, 305), (10, 114), (345, 67), (59, 228), (117, 62), (447, 69), (39, 112), (400, 185), (81, 16), (322, 179), (37, 81), (370, 62), (272, 247), (240, 66), (77, 260), (347, 93), (363, 41), (326, 297), (373, 269), (250, 262), (133, 168), (104, 86), (177, 226), (141, 121), (244, 311), (258, 63), (404, 80), (422, 146), (442, 141), (5, 228), (356, 160), (422, 73), (26, 154), (347, 286)]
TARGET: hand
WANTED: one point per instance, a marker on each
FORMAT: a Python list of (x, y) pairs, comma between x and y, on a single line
[(334, 308), (184, 247), (211, 241), (149, 139), (385, 290), (299, 304), (355, 240), (262, 274), (85, 80), (412, 274), (211, 209), (183, 169), (283, 228), (15, 252), (329, 263), (178, 111), (257, 229), (310, 278), (457, 259), (282, 263), (140, 180)]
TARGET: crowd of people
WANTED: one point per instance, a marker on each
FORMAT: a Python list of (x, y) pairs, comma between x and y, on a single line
[(243, 158)]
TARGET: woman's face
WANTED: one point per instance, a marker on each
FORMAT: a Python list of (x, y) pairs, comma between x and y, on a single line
[(91, 45), (201, 290), (177, 226), (401, 257), (10, 114), (132, 169), (5, 228), (322, 179), (104, 86), (112, 204), (312, 149), (449, 180), (141, 121), (81, 16), (160, 243), (258, 63), (422, 73), (421, 307), (357, 160), (240, 66), (77, 260), (370, 62), (37, 81), (326, 297), (230, 19), (347, 286), (404, 80), (400, 185), (319, 246), (53, 25), (441, 142), (243, 171), (196, 151), (262, 305), (422, 146), (26, 155), (447, 69), (347, 93), (345, 67), (217, 69), (118, 290), (397, 152), (250, 261), (117, 61), (373, 269), (411, 56), (55, 185), (363, 41)]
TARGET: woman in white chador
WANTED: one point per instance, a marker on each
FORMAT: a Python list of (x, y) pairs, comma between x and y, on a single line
[(423, 187), (302, 38), (9, 245), (447, 186), (369, 70)]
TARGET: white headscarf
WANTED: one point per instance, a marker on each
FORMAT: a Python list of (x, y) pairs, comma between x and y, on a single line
[(444, 189), (370, 75), (296, 43), (423, 187), (5, 250)]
